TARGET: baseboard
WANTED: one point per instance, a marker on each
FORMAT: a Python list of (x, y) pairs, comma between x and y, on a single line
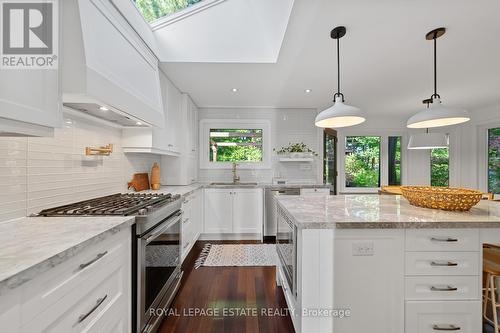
[(230, 237)]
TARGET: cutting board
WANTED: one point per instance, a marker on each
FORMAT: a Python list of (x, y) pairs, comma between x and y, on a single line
[(140, 182)]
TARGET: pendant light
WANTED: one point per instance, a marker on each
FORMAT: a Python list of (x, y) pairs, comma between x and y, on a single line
[(428, 140), (339, 114), (437, 115)]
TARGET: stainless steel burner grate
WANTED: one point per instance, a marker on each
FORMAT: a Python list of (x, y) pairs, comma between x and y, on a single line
[(115, 204)]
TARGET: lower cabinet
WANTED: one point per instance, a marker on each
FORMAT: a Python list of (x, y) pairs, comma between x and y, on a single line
[(90, 292), (192, 217), (431, 317), (236, 211)]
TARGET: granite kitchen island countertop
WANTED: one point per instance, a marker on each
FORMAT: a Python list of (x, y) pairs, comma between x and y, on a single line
[(381, 212), (32, 245)]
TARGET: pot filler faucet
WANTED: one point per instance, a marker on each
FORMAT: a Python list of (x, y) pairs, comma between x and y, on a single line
[(236, 178)]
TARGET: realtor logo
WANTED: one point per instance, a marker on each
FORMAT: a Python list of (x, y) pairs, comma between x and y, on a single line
[(29, 34)]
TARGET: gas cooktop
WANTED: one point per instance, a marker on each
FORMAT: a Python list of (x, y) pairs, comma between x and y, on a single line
[(116, 204)]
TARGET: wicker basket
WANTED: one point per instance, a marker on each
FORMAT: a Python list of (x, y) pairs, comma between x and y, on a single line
[(445, 198)]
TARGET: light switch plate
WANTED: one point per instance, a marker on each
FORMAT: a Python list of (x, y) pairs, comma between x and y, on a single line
[(363, 249)]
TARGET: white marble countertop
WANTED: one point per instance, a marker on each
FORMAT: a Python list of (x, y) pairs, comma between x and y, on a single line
[(381, 212), (32, 245)]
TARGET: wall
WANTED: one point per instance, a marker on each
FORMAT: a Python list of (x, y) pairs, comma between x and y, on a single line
[(38, 173), (287, 125)]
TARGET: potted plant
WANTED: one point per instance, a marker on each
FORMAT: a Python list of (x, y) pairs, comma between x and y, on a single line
[(296, 150)]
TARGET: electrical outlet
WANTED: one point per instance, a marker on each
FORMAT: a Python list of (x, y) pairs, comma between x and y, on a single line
[(363, 249)]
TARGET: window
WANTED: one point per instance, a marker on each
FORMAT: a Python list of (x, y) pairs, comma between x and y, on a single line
[(494, 160), (362, 161), (235, 145), (440, 167), (152, 10), (394, 159)]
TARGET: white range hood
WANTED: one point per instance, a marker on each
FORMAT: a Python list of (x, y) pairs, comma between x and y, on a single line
[(107, 70)]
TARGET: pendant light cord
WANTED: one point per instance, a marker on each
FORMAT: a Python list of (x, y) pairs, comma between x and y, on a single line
[(338, 72), (338, 66), (435, 95)]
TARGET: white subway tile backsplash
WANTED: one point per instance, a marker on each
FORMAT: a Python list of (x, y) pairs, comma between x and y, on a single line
[(39, 173)]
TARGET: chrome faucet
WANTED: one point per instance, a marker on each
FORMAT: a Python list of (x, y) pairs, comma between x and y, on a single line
[(236, 178)]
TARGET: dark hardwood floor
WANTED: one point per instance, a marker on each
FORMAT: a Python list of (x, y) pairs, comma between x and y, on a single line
[(249, 292)]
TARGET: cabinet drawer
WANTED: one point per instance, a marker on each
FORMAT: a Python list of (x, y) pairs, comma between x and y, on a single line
[(78, 310), (315, 191), (75, 273), (442, 288), (435, 317), (442, 240), (442, 263)]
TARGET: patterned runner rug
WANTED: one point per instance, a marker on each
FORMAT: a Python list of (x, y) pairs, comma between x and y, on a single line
[(238, 255)]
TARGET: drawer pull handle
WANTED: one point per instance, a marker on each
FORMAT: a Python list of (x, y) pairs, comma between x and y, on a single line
[(444, 264), (447, 288), (448, 240), (185, 220), (446, 328), (98, 256), (97, 304)]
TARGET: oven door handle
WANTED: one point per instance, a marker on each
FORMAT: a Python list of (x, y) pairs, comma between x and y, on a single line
[(157, 232)]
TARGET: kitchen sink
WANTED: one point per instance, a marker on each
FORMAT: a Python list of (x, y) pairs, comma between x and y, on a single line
[(233, 184)]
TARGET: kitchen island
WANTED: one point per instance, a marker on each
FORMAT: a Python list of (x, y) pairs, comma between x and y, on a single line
[(369, 263)]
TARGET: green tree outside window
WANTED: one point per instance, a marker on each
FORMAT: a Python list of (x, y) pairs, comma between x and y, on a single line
[(494, 160), (362, 161), (440, 167), (152, 10)]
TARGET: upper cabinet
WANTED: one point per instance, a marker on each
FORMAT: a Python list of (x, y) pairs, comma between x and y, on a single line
[(166, 140), (106, 63), (29, 102), (30, 93)]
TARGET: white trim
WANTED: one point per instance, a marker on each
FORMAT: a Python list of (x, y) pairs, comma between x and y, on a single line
[(204, 130), (482, 154), (384, 171), (184, 13)]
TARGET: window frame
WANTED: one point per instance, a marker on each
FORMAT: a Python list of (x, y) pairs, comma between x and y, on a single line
[(488, 158), (384, 135), (379, 159), (482, 149), (207, 124)]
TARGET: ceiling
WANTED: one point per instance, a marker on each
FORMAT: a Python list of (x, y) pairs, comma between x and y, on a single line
[(386, 61)]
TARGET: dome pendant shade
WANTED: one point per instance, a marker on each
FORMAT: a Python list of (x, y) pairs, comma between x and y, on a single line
[(428, 141), (438, 115), (339, 115)]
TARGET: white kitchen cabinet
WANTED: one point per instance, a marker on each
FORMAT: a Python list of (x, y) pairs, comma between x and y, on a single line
[(218, 209), (247, 211), (412, 281), (192, 125), (315, 191), (233, 211), (191, 221), (183, 170), (163, 141), (96, 282), (431, 317)]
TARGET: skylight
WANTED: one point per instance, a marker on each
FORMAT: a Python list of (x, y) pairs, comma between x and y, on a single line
[(152, 10)]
